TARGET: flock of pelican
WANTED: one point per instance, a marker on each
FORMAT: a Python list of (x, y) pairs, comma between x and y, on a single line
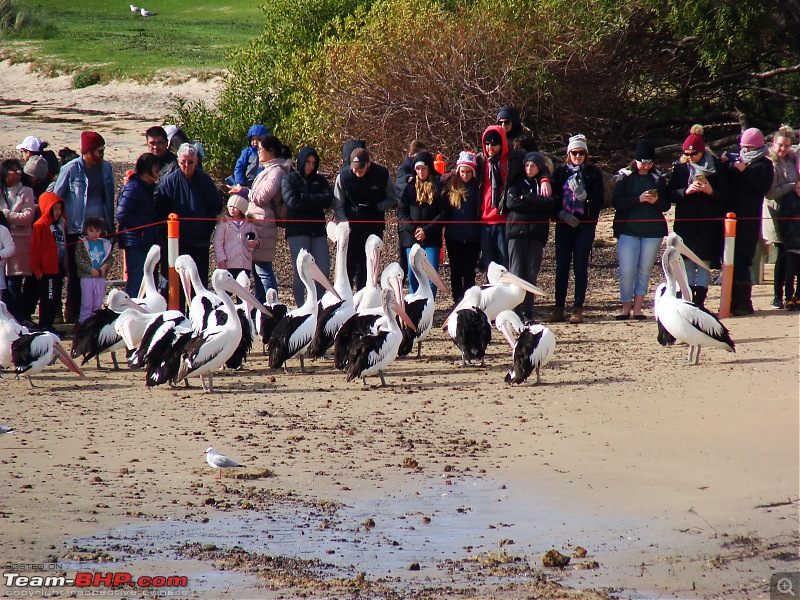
[(363, 332)]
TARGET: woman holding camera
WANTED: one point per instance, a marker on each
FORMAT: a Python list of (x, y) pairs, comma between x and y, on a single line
[(699, 190), (307, 195), (640, 201)]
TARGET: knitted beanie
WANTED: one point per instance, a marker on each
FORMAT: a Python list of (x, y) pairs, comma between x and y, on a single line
[(239, 202), (695, 141), (536, 159), (90, 141), (645, 151), (577, 142), (467, 159), (752, 138)]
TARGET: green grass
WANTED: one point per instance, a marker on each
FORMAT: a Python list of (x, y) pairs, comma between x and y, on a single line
[(183, 36)]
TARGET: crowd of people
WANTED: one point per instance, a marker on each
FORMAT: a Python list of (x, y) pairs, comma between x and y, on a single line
[(58, 218)]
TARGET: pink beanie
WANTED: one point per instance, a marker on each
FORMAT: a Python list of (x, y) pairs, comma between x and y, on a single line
[(752, 138), (467, 159)]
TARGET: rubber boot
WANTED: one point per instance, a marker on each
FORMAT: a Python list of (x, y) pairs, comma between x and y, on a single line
[(699, 294), (557, 316), (577, 315), (745, 305)]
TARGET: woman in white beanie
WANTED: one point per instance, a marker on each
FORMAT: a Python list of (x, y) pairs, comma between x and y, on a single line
[(579, 187)]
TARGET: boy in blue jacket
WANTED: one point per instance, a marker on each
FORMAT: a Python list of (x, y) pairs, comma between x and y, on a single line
[(247, 166)]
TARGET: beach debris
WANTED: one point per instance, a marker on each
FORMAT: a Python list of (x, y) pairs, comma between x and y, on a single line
[(554, 558)]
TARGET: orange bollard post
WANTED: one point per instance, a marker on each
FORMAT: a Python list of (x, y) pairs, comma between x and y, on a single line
[(727, 266), (173, 232), (439, 165)]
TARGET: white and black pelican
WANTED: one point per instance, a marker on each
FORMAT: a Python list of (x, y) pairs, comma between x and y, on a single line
[(208, 350), (469, 327), (139, 332), (294, 333), (532, 346), (504, 291), (162, 349), (32, 352), (203, 302), (334, 310), (10, 330), (248, 329), (370, 295), (372, 353), (420, 305), (684, 320), (98, 334), (365, 320), (266, 325), (149, 297)]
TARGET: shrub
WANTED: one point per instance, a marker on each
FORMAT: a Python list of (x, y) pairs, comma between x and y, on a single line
[(12, 18), (85, 78)]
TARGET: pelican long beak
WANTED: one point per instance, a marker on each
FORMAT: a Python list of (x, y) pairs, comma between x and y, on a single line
[(131, 304), (401, 312), (141, 292), (123, 328), (186, 283), (510, 279), (320, 278), (433, 275), (376, 260), (65, 358), (677, 242), (679, 273), (233, 287), (507, 329)]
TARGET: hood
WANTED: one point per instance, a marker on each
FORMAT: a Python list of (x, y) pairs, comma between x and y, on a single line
[(504, 140), (257, 130), (46, 203), (302, 155)]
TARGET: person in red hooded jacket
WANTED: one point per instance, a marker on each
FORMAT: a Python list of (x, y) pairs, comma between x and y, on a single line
[(49, 256)]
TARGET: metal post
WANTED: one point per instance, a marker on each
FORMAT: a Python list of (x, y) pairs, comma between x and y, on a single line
[(727, 266), (173, 232)]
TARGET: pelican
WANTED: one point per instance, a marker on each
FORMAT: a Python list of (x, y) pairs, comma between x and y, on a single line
[(10, 330), (420, 304), (532, 345), (208, 350), (149, 297), (32, 352), (266, 325), (294, 333), (334, 309), (140, 332), (665, 338), (220, 461), (683, 320), (470, 328), (161, 357), (203, 303), (370, 295), (504, 291), (248, 330), (98, 334), (372, 353), (366, 319)]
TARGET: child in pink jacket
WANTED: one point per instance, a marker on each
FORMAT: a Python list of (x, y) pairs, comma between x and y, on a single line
[(235, 238)]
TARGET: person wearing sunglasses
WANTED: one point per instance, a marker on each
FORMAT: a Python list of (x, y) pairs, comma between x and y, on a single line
[(86, 184), (640, 201), (579, 190), (699, 190), (509, 119), (750, 179)]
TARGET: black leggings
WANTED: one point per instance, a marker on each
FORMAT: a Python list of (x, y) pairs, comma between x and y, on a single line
[(463, 262)]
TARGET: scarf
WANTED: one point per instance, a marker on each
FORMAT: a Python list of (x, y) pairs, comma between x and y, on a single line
[(705, 167), (497, 180), (570, 202), (749, 157)]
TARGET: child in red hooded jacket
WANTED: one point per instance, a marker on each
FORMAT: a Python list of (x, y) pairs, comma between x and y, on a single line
[(49, 256)]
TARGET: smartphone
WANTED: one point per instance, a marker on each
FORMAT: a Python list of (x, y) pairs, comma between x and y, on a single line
[(700, 178), (250, 236), (653, 192)]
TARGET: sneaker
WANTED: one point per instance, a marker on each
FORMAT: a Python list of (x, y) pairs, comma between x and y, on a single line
[(777, 303)]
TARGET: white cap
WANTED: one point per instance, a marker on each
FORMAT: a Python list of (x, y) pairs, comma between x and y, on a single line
[(31, 144)]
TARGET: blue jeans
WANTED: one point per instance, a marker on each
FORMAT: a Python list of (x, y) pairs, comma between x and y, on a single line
[(573, 246), (263, 280), (433, 257), (636, 258), (318, 248), (697, 275), (493, 245), (134, 261)]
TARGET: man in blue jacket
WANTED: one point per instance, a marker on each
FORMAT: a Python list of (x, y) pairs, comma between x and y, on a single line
[(87, 186)]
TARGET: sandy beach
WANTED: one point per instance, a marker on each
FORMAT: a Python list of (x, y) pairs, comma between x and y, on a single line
[(679, 482)]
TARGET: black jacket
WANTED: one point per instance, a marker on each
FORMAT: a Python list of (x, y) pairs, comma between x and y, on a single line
[(411, 214), (635, 218), (746, 196), (698, 216), (592, 183), (306, 198), (528, 212)]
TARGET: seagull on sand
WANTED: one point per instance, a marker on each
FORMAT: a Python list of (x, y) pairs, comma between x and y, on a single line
[(220, 461), (4, 429)]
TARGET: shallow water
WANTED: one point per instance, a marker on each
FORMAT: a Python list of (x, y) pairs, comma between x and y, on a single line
[(468, 518)]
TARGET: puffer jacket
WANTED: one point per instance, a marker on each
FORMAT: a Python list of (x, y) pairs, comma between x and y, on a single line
[(265, 200), (19, 211), (306, 198), (136, 209), (230, 246)]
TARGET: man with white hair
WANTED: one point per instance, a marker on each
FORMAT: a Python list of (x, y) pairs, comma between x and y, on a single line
[(191, 194)]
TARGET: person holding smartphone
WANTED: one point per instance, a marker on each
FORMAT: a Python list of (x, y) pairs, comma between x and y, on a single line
[(640, 201), (235, 238)]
